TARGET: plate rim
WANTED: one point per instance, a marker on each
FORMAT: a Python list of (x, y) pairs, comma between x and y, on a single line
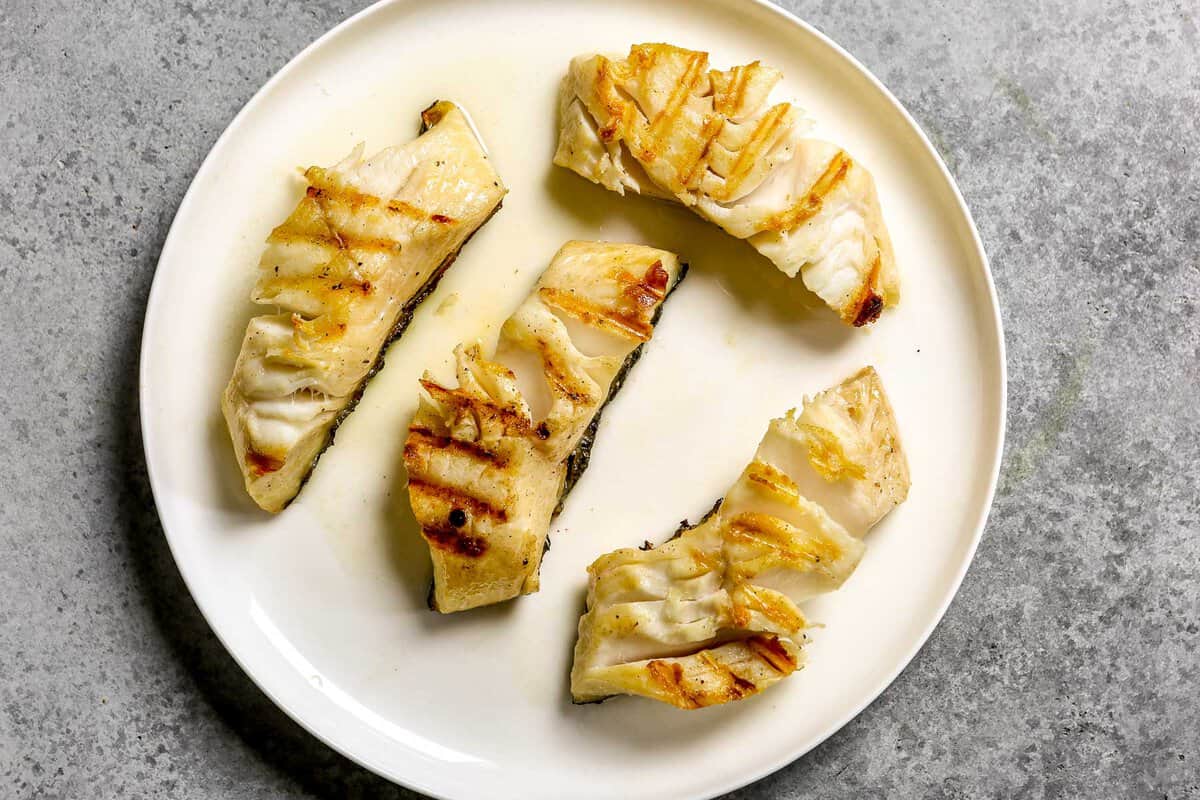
[(752, 775)]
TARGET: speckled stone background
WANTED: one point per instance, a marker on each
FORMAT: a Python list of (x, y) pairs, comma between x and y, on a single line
[(1069, 664)]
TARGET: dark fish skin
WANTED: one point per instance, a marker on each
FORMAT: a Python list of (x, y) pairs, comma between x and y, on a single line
[(578, 460), (685, 526), (402, 323)]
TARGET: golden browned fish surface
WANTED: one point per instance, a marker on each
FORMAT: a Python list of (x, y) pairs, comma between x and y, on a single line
[(713, 614), (344, 272), (489, 460), (660, 122)]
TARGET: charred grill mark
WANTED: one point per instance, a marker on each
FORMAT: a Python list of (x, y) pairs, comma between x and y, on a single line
[(457, 498), (740, 686), (870, 304), (441, 218), (747, 598), (326, 192), (336, 241), (334, 291), (624, 325), (728, 102), (660, 128), (736, 687), (707, 560), (262, 464), (633, 319), (513, 420), (421, 439), (606, 89), (772, 653), (669, 676), (455, 541), (771, 479), (723, 93), (406, 209), (709, 132), (563, 382), (764, 132), (771, 532), (740, 82), (402, 322), (809, 205), (647, 139)]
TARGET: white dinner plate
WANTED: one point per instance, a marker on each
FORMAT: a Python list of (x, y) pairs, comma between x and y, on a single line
[(324, 604)]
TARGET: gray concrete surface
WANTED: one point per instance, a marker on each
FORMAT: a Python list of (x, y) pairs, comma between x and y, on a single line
[(1068, 666)]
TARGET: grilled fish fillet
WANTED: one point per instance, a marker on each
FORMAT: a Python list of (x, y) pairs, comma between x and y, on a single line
[(661, 123), (366, 244), (489, 461), (713, 614)]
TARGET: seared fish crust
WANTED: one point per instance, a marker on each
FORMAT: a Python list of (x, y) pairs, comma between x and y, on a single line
[(713, 614), (366, 244), (489, 460), (660, 122)]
